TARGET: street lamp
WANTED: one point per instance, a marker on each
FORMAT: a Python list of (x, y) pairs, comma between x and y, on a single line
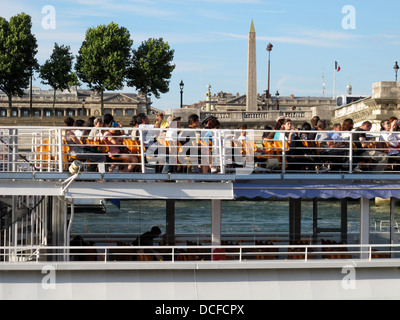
[(269, 48), (277, 99), (181, 85), (396, 69)]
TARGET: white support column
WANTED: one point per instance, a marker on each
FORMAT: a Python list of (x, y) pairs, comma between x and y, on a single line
[(216, 206), (364, 224)]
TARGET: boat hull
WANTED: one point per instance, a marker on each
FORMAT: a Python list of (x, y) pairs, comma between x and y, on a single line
[(199, 281)]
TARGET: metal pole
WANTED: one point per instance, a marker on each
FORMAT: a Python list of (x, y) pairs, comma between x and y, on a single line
[(269, 70), (181, 85), (269, 48)]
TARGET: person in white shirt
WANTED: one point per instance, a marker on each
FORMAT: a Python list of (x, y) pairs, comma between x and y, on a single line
[(149, 135), (79, 133), (172, 138), (96, 134), (390, 136)]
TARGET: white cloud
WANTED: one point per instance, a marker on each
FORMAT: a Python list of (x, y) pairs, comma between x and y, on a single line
[(318, 38)]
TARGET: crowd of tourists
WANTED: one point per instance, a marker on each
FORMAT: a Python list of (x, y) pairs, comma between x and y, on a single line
[(197, 148)]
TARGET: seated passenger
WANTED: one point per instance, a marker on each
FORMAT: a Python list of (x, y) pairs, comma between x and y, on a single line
[(390, 136), (362, 153), (77, 149), (116, 151), (305, 135), (394, 119), (80, 132), (297, 156), (96, 134), (331, 150), (149, 135), (135, 136), (171, 137), (288, 136), (147, 238), (208, 141), (279, 125), (329, 146), (336, 136), (314, 123), (347, 127), (309, 146), (190, 141)]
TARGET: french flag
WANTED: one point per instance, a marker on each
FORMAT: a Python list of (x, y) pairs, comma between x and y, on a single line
[(337, 67)]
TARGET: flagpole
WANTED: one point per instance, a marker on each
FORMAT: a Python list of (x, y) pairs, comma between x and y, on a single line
[(334, 82), (334, 85)]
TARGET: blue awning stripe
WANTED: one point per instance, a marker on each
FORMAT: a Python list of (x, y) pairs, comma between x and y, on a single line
[(338, 191)]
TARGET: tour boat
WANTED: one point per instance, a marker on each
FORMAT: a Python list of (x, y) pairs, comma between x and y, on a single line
[(42, 184)]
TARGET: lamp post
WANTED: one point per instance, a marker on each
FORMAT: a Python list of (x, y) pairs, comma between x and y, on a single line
[(181, 85), (269, 48), (277, 99), (396, 69)]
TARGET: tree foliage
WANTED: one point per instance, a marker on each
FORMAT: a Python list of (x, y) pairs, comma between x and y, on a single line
[(57, 71), (103, 58), (18, 48), (151, 67)]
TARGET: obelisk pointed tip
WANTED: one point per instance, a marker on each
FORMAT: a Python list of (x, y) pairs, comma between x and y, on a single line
[(252, 29)]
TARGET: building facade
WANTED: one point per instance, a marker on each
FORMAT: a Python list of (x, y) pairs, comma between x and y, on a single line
[(83, 103), (231, 109), (382, 104)]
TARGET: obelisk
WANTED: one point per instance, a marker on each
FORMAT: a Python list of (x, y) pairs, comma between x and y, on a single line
[(251, 98)]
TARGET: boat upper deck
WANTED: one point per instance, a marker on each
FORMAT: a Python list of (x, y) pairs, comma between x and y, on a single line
[(201, 164), (189, 164)]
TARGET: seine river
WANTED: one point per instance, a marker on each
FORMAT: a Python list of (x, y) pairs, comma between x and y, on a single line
[(136, 216)]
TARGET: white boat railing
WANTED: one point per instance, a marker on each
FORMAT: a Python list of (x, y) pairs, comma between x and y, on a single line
[(242, 152), (199, 254)]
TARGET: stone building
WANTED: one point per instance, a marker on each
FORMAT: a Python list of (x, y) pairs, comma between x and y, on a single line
[(225, 102), (231, 109), (382, 104), (83, 103)]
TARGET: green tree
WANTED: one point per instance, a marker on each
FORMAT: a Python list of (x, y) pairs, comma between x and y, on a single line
[(57, 71), (103, 58), (151, 67), (18, 48)]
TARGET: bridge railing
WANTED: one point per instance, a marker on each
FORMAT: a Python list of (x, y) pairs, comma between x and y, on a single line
[(257, 116), (181, 150)]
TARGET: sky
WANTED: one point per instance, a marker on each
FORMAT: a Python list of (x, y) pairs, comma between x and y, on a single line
[(210, 40)]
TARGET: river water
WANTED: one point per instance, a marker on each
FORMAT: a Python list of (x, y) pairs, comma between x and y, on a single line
[(138, 216)]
